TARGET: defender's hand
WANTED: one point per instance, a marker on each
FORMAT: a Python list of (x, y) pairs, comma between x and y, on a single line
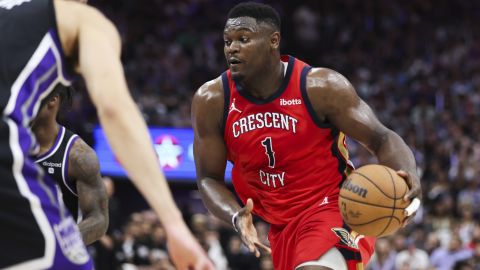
[(414, 195), (184, 250), (247, 231)]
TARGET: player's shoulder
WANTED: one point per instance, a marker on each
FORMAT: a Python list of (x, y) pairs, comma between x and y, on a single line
[(208, 104), (328, 90), (83, 162), (81, 152), (327, 85), (210, 92), (325, 78)]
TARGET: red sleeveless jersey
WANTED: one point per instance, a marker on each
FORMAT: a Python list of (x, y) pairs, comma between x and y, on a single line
[(283, 156)]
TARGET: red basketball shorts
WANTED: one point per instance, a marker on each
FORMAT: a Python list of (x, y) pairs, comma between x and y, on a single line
[(312, 233)]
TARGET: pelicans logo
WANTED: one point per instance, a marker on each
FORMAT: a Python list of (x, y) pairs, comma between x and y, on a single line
[(347, 238)]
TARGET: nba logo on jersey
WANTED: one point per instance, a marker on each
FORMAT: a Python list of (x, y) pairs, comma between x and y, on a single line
[(51, 170), (70, 241)]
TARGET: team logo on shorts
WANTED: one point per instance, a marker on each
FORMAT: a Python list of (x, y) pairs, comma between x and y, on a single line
[(346, 238), (70, 241)]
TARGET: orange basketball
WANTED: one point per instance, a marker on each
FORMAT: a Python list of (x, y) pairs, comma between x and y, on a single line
[(371, 200)]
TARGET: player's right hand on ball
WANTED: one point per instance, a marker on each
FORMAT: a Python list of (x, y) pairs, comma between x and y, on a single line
[(247, 231), (414, 195), (184, 249)]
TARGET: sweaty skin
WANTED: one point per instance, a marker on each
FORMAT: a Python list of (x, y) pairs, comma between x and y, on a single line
[(249, 53), (335, 101), (236, 24), (256, 47)]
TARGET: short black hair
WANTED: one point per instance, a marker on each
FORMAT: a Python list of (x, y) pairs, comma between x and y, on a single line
[(258, 11), (64, 92)]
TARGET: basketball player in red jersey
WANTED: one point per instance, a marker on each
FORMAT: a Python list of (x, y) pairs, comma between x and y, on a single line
[(282, 124)]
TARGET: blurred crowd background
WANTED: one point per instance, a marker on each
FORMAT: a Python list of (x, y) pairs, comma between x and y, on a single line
[(416, 63)]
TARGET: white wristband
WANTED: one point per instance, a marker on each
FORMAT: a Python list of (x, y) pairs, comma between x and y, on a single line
[(413, 207), (234, 221)]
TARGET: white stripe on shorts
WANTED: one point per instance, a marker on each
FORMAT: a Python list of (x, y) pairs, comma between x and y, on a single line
[(332, 259)]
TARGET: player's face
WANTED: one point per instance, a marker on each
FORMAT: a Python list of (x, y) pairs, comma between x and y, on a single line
[(41, 116), (246, 46), (46, 110)]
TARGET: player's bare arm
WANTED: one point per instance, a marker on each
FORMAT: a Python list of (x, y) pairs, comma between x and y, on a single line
[(335, 101), (210, 160), (92, 196), (99, 63), (210, 152)]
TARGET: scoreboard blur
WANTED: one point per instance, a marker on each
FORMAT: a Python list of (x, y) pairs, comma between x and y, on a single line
[(174, 148)]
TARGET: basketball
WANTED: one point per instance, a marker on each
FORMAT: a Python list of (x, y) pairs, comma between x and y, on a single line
[(371, 200)]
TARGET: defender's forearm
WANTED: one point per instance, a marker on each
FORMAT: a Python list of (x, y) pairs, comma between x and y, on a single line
[(122, 121), (139, 159), (92, 228)]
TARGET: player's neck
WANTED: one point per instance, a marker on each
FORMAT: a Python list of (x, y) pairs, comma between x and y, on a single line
[(46, 134), (267, 83)]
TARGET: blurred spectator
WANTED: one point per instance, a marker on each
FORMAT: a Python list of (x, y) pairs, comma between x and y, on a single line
[(266, 263), (412, 258), (238, 255), (446, 258), (114, 224), (432, 243), (384, 258), (215, 251), (476, 255), (466, 223)]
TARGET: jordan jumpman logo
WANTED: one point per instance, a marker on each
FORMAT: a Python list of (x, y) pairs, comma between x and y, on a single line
[(233, 108)]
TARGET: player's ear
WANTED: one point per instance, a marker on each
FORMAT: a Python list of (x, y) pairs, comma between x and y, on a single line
[(275, 40), (53, 101)]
